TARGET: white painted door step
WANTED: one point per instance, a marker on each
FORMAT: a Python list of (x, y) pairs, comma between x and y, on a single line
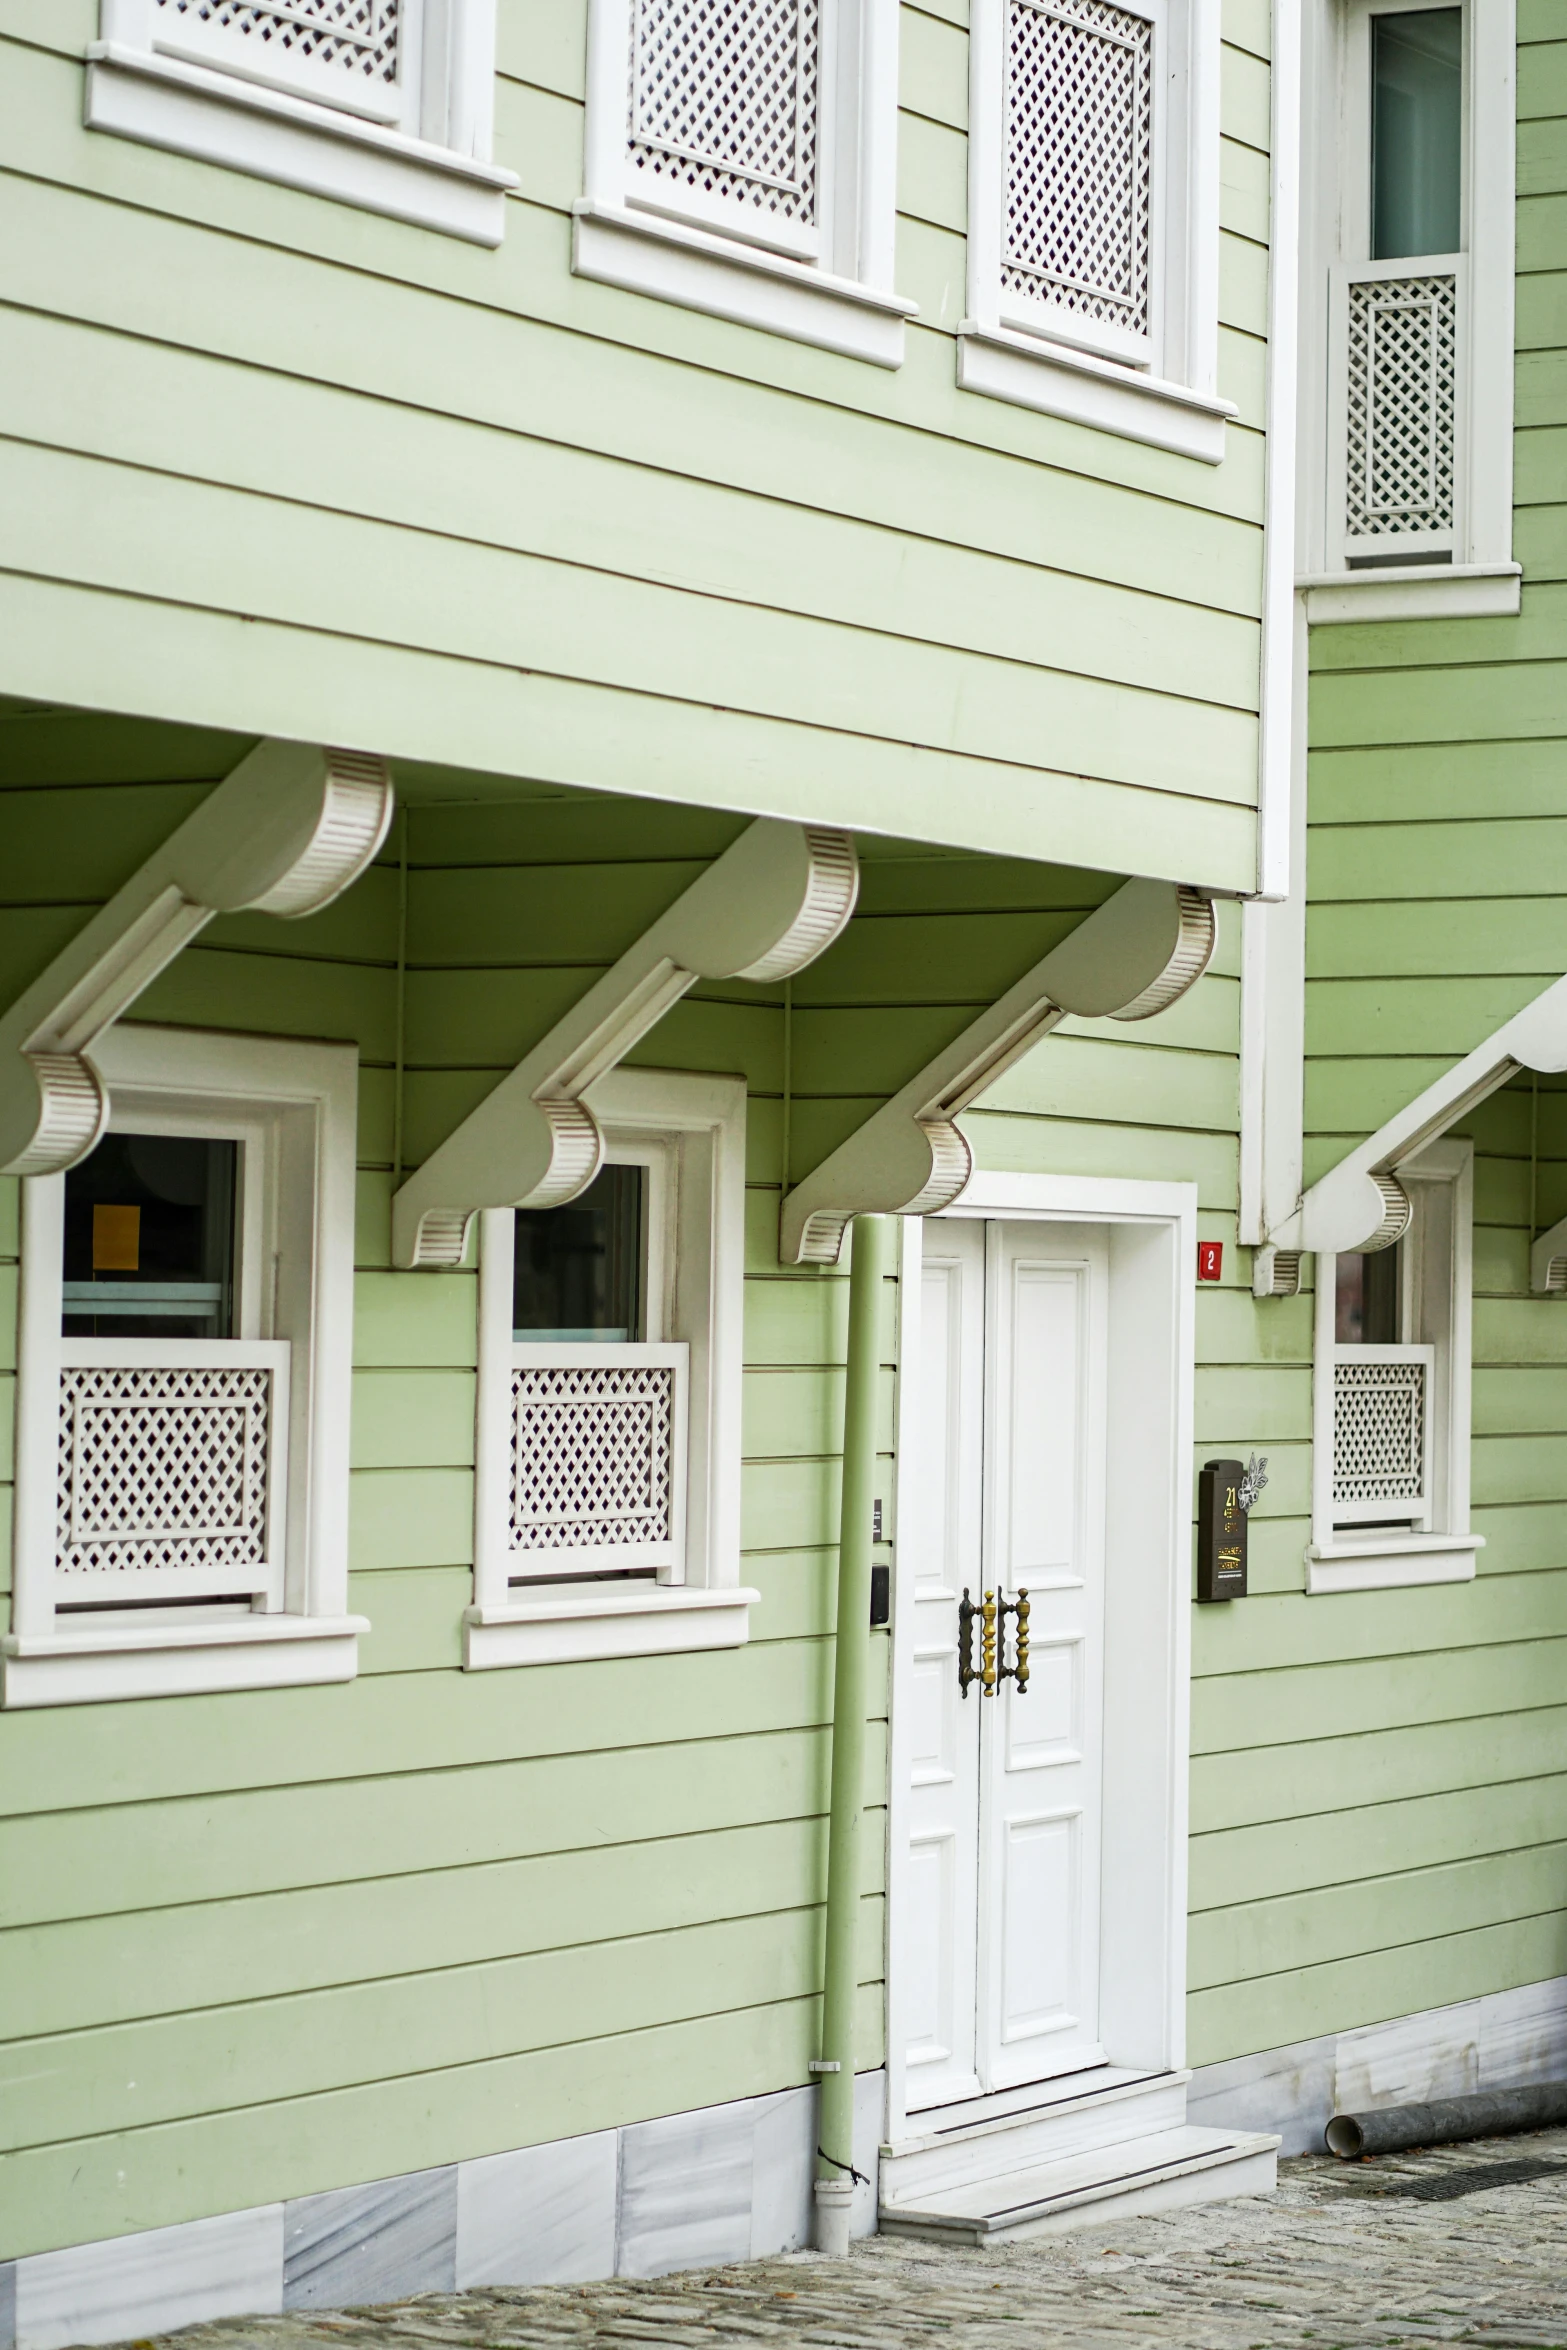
[(998, 2137), (1169, 2171)]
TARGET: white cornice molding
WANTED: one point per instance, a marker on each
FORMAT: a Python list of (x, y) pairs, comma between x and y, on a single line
[(1132, 957), (1360, 1203), (285, 833), (774, 901)]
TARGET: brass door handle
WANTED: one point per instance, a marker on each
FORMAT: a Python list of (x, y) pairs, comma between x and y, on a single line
[(992, 1667)]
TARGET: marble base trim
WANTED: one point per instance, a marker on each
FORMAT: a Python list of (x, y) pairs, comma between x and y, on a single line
[(726, 2182), (1502, 2040)]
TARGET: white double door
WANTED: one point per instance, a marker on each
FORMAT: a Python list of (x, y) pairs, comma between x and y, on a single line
[(998, 1940)]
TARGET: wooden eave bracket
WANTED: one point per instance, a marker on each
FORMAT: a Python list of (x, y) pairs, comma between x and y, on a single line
[(773, 902), (285, 833), (1361, 1203), (1131, 958)]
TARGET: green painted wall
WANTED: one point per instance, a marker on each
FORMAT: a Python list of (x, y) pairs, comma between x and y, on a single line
[(271, 463), (1379, 1776), (254, 1945)]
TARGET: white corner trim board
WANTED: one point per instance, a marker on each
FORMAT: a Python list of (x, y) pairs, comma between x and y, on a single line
[(1360, 1203), (1425, 591), (180, 1660), (219, 118), (642, 1619), (743, 283), (285, 833), (1131, 958), (1391, 1562), (1058, 381), (773, 902)]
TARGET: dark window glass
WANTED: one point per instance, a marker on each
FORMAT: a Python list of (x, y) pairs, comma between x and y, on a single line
[(1367, 1301), (149, 1239), (578, 1270), (1417, 82)]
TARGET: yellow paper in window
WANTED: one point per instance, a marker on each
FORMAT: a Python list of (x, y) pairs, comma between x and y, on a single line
[(116, 1240)]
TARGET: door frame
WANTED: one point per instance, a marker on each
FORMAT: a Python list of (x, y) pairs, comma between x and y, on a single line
[(1152, 1231)]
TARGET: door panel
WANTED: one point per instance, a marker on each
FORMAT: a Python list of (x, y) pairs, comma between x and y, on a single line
[(944, 1539), (1046, 1325)]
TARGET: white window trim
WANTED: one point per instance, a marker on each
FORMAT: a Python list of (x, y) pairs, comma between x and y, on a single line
[(1483, 580), (1171, 402), (839, 297), (430, 168), (1337, 1559), (699, 1601), (216, 1083)]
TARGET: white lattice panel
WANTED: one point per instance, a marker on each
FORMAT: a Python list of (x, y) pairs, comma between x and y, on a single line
[(355, 41), (1379, 1431), (724, 102), (1401, 406), (593, 1455), (166, 1480), (1079, 158)]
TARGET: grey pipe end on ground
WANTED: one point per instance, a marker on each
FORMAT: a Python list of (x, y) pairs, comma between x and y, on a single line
[(1446, 2121)]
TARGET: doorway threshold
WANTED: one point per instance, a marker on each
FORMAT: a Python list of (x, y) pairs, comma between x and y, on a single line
[(937, 2122)]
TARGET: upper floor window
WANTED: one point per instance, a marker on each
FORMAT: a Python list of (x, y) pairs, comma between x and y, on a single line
[(1093, 230), (386, 104), (362, 54), (1409, 296), (740, 159)]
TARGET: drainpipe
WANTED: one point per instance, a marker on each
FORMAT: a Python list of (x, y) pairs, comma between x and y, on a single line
[(835, 2117)]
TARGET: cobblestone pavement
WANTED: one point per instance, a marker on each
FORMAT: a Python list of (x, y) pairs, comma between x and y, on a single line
[(1459, 2244)]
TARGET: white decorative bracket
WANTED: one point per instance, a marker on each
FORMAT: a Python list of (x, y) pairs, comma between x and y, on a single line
[(285, 833), (1275, 1272), (774, 901), (1360, 1203), (1132, 957), (1548, 1262)]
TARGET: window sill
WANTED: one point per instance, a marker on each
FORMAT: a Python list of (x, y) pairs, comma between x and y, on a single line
[(643, 255), (1391, 1562), (570, 1627), (218, 118), (1426, 591), (1061, 382), (238, 1652)]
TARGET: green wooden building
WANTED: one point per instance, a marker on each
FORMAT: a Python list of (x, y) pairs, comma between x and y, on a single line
[(670, 667)]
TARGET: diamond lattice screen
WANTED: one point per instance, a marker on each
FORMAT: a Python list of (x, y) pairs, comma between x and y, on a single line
[(163, 1468), (352, 37), (1079, 158), (724, 101), (1379, 1420), (1401, 408), (593, 1454)]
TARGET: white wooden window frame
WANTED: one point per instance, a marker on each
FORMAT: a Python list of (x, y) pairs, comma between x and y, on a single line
[(689, 1131), (1481, 577), (1436, 1322), (1161, 388), (831, 284), (292, 1109), (418, 151)]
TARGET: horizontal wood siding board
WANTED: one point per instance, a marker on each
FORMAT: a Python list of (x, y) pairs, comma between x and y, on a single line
[(148, 2177), (1234, 2019)]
